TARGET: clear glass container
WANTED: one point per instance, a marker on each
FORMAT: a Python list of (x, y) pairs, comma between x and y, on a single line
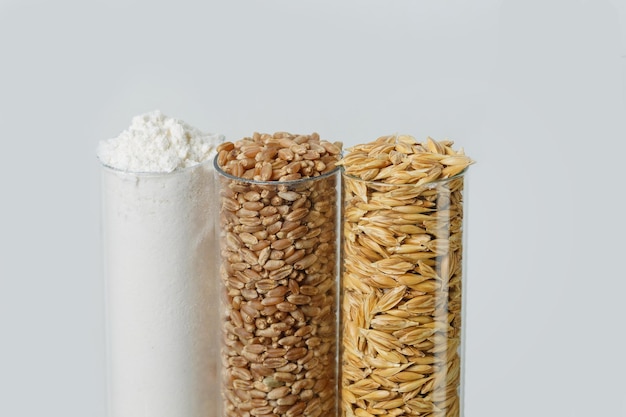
[(401, 339), (161, 299), (278, 282)]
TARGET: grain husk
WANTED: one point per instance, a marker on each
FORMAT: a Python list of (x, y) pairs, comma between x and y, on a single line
[(402, 278)]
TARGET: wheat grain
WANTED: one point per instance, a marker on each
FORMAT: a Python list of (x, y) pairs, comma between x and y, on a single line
[(402, 278), (278, 255)]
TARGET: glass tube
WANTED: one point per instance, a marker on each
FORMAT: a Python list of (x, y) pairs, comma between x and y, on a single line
[(402, 291), (278, 293), (161, 301)]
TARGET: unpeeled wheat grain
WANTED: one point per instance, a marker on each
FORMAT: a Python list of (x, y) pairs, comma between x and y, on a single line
[(401, 278)]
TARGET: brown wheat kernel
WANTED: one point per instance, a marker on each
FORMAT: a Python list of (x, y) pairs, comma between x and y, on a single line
[(278, 275)]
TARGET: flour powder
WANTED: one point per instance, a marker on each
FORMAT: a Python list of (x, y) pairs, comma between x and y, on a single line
[(159, 250)]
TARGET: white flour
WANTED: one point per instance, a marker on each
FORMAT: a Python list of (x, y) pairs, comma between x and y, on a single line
[(159, 258), (157, 143)]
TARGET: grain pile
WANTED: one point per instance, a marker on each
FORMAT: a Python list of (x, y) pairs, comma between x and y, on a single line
[(401, 278), (278, 275)]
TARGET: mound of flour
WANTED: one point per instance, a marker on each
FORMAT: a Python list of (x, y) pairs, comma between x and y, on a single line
[(159, 257), (157, 143)]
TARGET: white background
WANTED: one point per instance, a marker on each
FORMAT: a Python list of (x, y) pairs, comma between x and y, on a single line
[(534, 90)]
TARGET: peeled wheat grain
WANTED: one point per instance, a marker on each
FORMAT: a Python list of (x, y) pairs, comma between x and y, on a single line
[(278, 274)]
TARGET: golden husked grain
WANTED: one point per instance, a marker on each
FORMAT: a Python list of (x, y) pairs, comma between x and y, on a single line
[(429, 160), (401, 278)]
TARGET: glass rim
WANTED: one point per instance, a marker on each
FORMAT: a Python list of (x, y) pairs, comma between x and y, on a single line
[(154, 173), (223, 173), (426, 184)]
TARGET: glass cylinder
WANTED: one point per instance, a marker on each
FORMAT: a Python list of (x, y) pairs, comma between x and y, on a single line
[(278, 291), (402, 289), (158, 238)]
